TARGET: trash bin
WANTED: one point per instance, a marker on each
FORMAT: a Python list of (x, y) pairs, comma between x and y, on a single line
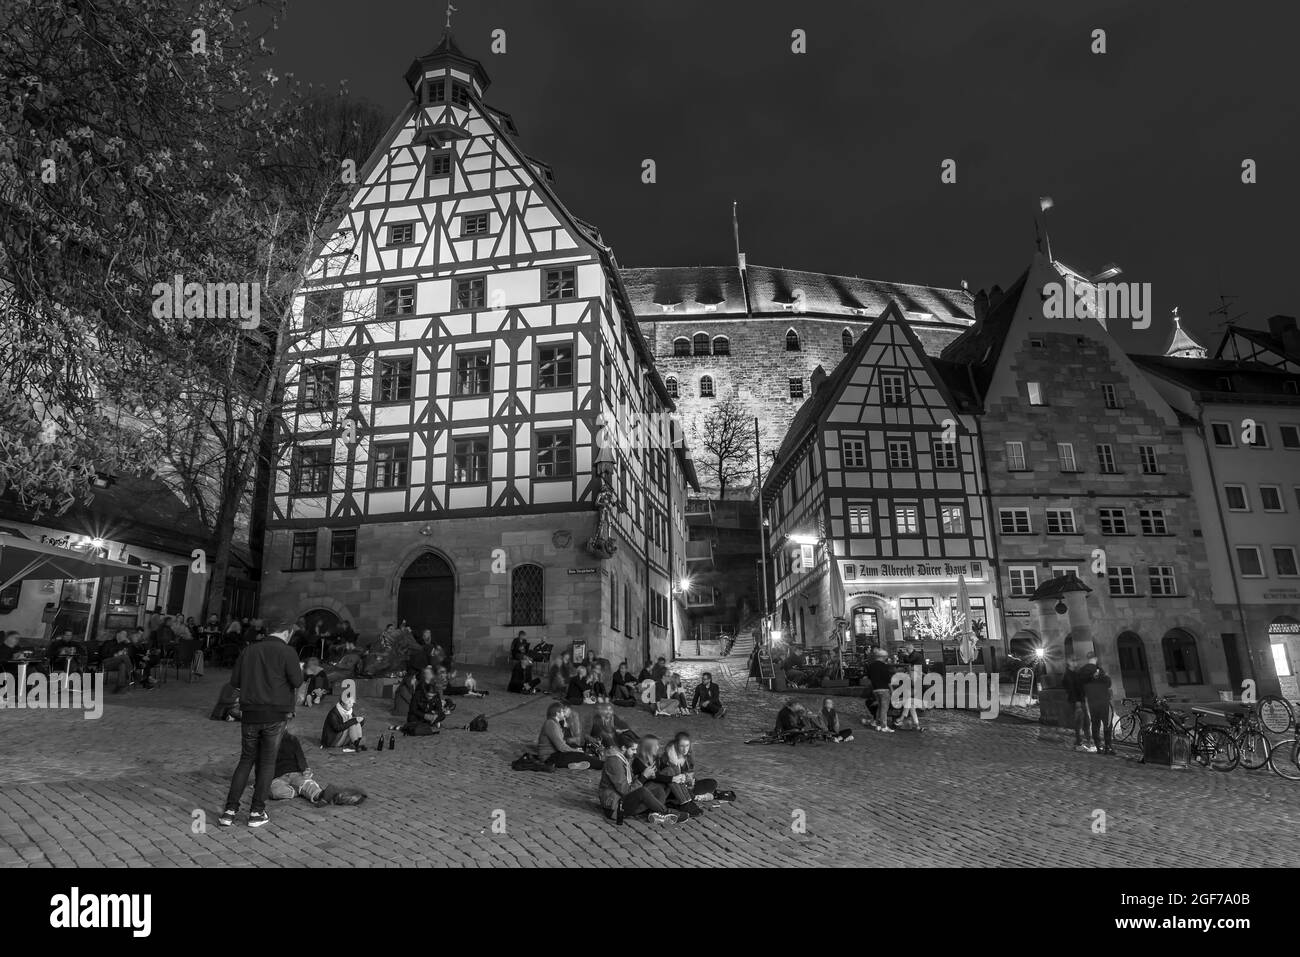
[(1165, 749)]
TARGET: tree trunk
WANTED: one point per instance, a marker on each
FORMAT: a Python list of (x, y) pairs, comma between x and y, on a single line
[(219, 558)]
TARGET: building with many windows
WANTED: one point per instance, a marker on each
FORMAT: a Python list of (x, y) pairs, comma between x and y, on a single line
[(1241, 424), (1094, 516), (875, 502), (481, 444)]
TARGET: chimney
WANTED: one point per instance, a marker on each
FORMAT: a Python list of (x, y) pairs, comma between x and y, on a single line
[(981, 305), (1283, 328), (816, 380), (995, 297)]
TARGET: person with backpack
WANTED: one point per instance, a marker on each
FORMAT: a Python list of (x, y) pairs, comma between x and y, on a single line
[(266, 676), (556, 747), (1097, 696), (622, 793)]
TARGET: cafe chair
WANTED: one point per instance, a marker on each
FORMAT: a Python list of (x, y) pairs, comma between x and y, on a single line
[(183, 656)]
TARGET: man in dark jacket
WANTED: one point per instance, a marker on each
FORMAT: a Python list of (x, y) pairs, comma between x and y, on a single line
[(881, 676), (1074, 681), (707, 697), (1096, 694), (427, 710), (790, 718), (267, 676)]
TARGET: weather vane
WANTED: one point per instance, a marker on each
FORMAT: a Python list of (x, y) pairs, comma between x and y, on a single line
[(450, 11)]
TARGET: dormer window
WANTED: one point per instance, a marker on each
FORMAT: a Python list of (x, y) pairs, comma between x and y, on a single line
[(435, 91), (460, 94)]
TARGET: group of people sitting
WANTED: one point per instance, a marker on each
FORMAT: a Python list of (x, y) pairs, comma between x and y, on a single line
[(639, 778), (793, 718)]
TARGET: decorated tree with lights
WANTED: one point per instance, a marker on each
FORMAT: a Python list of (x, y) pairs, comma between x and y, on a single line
[(941, 625)]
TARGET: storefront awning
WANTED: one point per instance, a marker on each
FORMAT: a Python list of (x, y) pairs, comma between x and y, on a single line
[(22, 559)]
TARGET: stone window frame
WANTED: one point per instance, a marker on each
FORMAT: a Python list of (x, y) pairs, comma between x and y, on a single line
[(1259, 561)]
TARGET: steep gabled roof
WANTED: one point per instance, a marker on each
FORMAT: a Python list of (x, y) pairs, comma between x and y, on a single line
[(1261, 338), (980, 346), (809, 416)]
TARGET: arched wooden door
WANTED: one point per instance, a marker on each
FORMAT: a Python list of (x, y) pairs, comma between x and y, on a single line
[(1133, 668), (426, 598)]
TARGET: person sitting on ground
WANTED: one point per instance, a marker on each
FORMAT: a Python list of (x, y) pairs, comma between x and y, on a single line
[(553, 746), (348, 662), (561, 673), (622, 794), (604, 721), (645, 766), (791, 717), (316, 684), (670, 696), (402, 696), (582, 690), (227, 706), (521, 678), (519, 647), (571, 726), (115, 659), (293, 777), (677, 773), (708, 697), (623, 686), (342, 728), (660, 669), (428, 709), (453, 684), (829, 721)]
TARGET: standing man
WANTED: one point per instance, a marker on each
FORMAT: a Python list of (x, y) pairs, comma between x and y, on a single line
[(881, 677), (1096, 695), (267, 676), (1073, 682)]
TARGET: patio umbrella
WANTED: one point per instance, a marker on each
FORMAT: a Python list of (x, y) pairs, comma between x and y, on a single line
[(22, 559), (965, 644)]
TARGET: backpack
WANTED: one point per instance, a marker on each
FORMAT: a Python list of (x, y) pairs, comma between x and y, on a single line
[(530, 762), (478, 724)]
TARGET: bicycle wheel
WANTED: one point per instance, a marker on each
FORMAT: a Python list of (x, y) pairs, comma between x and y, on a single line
[(1284, 759), (1254, 748), (1275, 713), (1217, 749), (1126, 726)]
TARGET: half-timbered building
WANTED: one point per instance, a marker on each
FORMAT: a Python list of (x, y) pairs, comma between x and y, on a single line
[(875, 501), (479, 442)]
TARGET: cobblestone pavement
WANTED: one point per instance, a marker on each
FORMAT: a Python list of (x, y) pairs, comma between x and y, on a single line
[(124, 791)]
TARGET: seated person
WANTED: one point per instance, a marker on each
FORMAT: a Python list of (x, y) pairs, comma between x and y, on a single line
[(560, 674), (521, 678), (553, 743), (456, 685), (677, 773), (829, 721), (428, 709), (342, 729), (622, 794), (582, 690), (115, 657), (604, 721), (227, 707), (402, 696), (660, 669), (669, 696), (519, 647), (348, 662), (316, 683), (144, 657), (708, 697), (791, 717), (64, 652), (292, 775), (623, 686), (645, 766), (10, 652), (421, 655)]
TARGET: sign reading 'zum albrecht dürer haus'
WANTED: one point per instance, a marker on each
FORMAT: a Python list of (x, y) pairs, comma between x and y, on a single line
[(921, 570)]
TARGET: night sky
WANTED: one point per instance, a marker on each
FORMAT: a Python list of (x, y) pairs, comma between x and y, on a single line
[(834, 155)]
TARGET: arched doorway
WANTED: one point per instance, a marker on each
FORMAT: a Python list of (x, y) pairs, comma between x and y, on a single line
[(1133, 668), (329, 623), (1182, 660), (426, 598)]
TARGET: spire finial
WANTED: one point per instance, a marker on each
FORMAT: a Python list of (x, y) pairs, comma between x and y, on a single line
[(450, 11)]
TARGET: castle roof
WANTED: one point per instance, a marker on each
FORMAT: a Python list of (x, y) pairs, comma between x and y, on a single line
[(1181, 344)]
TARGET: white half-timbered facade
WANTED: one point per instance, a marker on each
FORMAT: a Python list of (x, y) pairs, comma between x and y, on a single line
[(465, 340), (879, 481)]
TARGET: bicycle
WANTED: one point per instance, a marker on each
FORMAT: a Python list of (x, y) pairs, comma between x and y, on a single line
[(1253, 746), (1284, 759), (794, 736), (1130, 721), (1209, 747)]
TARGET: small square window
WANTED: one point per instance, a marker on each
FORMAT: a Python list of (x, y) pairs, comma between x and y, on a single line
[(322, 308), (472, 224), (860, 519), (473, 373), (1065, 455), (318, 387), (1035, 390), (401, 234), (1236, 497), (1290, 436), (1023, 580), (1060, 521), (1162, 581), (459, 94), (1122, 580), (1150, 464), (952, 519), (1014, 521), (1270, 498), (435, 91), (1110, 395), (1153, 521), (1222, 433), (303, 556), (439, 164), (1261, 437), (391, 464), (1113, 521), (906, 520), (313, 468), (855, 453), (556, 369), (470, 461), (395, 377), (343, 548), (1106, 459), (1285, 562), (1016, 457), (561, 283), (555, 454), (1036, 342), (796, 388), (945, 455), (471, 293), (900, 453), (893, 387), (396, 301)]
